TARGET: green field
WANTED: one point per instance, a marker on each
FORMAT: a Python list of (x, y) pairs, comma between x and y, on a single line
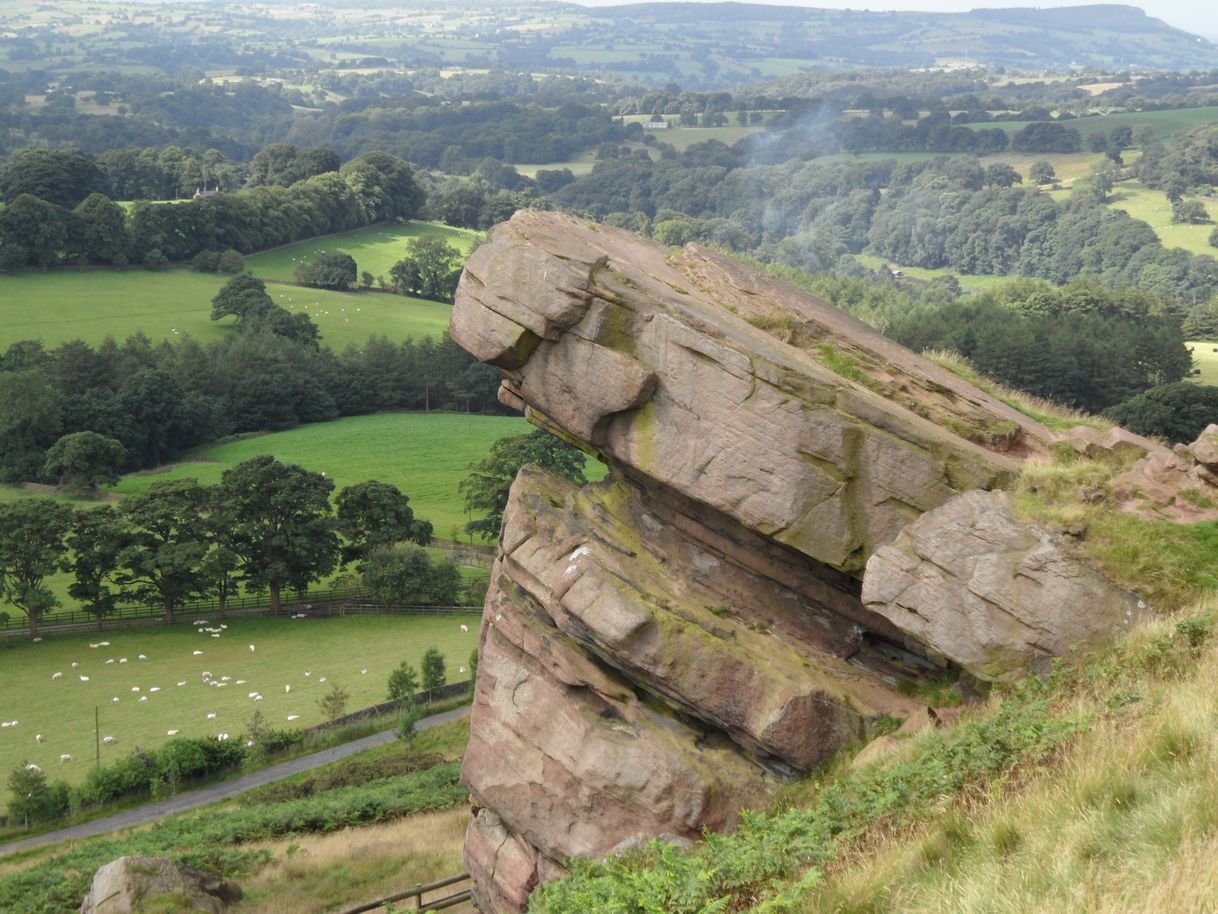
[(375, 248), (1164, 123), (68, 304), (1205, 357), (424, 454), (338, 649), (967, 282), (1152, 207)]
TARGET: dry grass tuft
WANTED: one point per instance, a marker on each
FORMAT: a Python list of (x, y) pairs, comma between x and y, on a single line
[(315, 874)]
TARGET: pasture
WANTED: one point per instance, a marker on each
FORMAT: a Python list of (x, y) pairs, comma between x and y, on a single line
[(969, 283), (1205, 357), (375, 248), (1153, 208), (330, 651), (426, 455), (1165, 123), (68, 305)]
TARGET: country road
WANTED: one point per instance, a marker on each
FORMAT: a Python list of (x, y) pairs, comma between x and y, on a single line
[(225, 790)]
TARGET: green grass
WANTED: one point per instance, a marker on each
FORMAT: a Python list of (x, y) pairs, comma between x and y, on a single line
[(426, 455), (1164, 123), (1153, 208), (67, 305), (335, 648), (1205, 357), (968, 282), (375, 248)]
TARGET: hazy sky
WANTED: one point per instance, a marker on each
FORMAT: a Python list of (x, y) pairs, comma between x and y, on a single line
[(1191, 15)]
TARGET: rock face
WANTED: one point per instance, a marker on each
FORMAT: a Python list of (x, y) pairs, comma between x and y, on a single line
[(1178, 484), (664, 648), (993, 594), (130, 883)]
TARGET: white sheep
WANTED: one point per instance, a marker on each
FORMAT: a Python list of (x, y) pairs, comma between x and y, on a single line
[(172, 732), (155, 689), (142, 657), (251, 648), (38, 737), (108, 740), (211, 715), (32, 767), (114, 700), (84, 678), (143, 698), (287, 689), (197, 653), (182, 683), (293, 717), (65, 758), (75, 665), (464, 627), (57, 676), (135, 688)]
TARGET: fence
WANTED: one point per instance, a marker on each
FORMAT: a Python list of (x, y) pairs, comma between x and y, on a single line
[(417, 893), (451, 690), (316, 604)]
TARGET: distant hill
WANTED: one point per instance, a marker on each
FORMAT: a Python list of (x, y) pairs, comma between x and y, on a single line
[(1097, 35)]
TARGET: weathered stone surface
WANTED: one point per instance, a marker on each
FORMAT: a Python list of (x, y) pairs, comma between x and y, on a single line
[(127, 884), (1180, 484), (662, 649), (992, 593), (1116, 441), (663, 372)]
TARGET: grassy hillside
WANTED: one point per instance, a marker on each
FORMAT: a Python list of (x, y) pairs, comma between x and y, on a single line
[(426, 455), (375, 248), (1205, 357), (338, 649), (1153, 208), (61, 306), (91, 305)]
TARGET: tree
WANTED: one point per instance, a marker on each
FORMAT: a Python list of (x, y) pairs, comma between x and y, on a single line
[(404, 683), (34, 232), (485, 489), (1000, 174), (61, 176), (1041, 172), (82, 461), (281, 525), (32, 547), (32, 799), (96, 542), (434, 674), (167, 539), (405, 575), (31, 418), (1190, 212), (372, 515), (333, 704), (242, 296), (436, 265), (334, 270), (1176, 412), (102, 229)]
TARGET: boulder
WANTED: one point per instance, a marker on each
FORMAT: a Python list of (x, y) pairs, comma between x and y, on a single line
[(1180, 484), (131, 884), (992, 593)]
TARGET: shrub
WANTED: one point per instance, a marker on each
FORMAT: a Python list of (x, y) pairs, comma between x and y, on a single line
[(1176, 412), (205, 262), (434, 674), (230, 262), (404, 683), (334, 703)]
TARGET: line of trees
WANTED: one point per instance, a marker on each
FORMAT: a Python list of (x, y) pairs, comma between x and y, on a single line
[(46, 222), (267, 526), (157, 400)]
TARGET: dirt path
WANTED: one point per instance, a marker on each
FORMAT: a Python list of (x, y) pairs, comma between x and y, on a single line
[(150, 812)]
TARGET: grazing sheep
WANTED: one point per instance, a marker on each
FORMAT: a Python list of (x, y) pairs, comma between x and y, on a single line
[(155, 689), (196, 653), (4, 724), (135, 688), (143, 698), (287, 689), (364, 671), (84, 678), (182, 683), (38, 737), (122, 659), (110, 661), (211, 715), (460, 669), (251, 694), (323, 679), (65, 758), (293, 717), (57, 676), (103, 643), (114, 700), (75, 665), (172, 732), (464, 627), (251, 648), (32, 767), (142, 657), (108, 740)]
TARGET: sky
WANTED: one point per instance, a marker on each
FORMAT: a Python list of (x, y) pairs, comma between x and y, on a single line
[(1194, 16)]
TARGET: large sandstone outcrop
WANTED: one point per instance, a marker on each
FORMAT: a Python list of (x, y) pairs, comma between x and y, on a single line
[(664, 648)]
